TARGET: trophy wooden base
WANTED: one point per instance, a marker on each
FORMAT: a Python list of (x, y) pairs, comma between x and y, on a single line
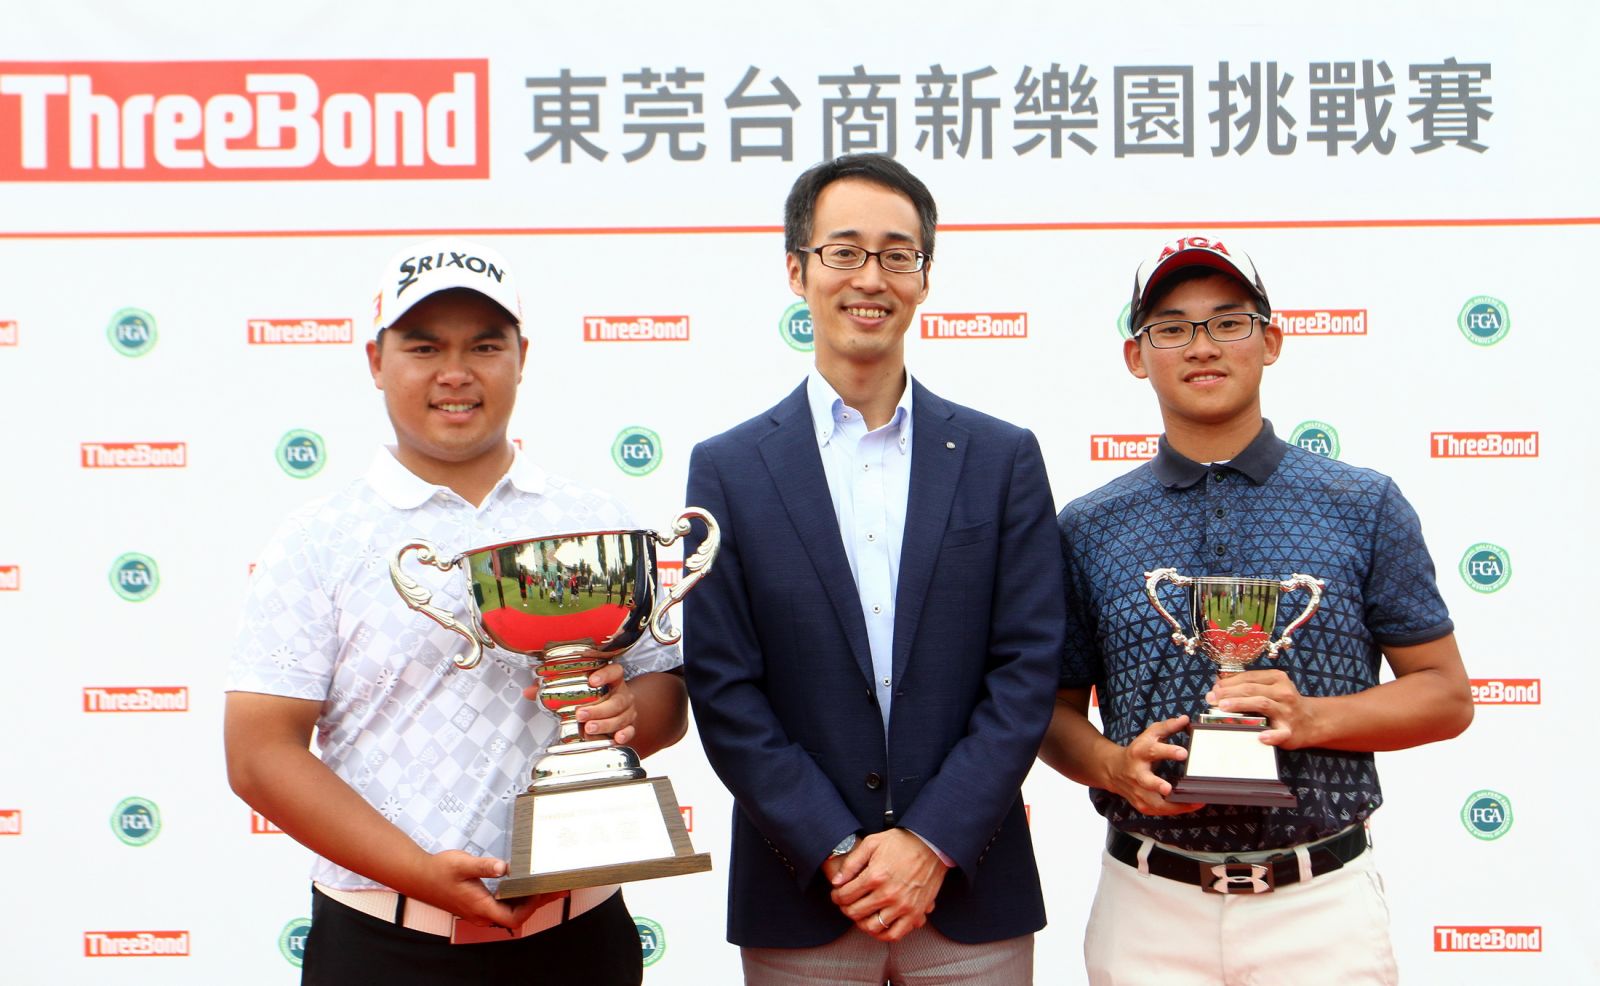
[(1229, 765), (592, 835)]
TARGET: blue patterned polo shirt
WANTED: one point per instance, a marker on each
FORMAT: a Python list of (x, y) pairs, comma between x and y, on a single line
[(1273, 511)]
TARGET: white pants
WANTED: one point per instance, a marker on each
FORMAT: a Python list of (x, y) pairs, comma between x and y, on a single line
[(1147, 929)]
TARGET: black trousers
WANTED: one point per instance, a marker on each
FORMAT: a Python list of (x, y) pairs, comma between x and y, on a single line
[(599, 947)]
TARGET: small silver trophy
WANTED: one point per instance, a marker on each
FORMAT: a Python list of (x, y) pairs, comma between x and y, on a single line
[(1233, 620), (563, 605)]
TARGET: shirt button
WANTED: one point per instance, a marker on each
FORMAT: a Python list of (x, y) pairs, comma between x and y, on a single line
[(1221, 513), (876, 608), (1217, 477), (874, 781), (1222, 549), (886, 681), (871, 536), (866, 467)]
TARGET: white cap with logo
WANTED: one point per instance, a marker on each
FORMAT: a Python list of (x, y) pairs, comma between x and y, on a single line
[(1191, 251), (438, 265)]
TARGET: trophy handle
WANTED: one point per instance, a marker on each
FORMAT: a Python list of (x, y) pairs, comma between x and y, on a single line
[(421, 599), (1155, 578), (1293, 582), (695, 568)]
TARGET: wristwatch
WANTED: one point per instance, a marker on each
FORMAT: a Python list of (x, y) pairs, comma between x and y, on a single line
[(845, 845)]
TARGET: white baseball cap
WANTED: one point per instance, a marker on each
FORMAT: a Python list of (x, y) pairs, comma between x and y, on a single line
[(438, 265), (1191, 251)]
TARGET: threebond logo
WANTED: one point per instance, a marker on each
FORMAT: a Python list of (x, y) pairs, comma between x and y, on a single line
[(652, 939), (1486, 815), (133, 455), (1488, 938), (975, 325), (687, 813), (1484, 445), (10, 578), (301, 453), (164, 698), (292, 941), (8, 333), (795, 327), (1317, 437), (1321, 321), (135, 577), (636, 451), (1123, 448), (262, 825), (1124, 320), (300, 331), (350, 119), (10, 821), (636, 328), (136, 821), (113, 944), (1484, 320), (131, 331), (1486, 567), (1505, 691)]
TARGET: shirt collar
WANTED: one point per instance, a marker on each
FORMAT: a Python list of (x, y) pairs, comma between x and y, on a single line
[(405, 490), (1257, 462), (827, 409)]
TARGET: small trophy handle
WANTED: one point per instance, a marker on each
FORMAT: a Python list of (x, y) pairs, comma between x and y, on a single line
[(421, 599), (1155, 578), (1290, 584), (695, 568)]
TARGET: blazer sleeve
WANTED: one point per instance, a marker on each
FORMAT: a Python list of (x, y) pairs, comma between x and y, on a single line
[(775, 782), (961, 808)]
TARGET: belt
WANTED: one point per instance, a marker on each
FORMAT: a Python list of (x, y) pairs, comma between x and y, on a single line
[(1233, 877), (408, 912)]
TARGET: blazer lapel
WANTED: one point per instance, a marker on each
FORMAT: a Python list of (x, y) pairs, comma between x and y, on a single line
[(938, 448), (791, 457)]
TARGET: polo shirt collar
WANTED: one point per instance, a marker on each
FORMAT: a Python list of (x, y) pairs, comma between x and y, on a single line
[(826, 404), (1256, 463), (405, 490)]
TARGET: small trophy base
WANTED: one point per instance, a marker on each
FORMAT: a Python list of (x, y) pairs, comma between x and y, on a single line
[(589, 835), (1229, 765)]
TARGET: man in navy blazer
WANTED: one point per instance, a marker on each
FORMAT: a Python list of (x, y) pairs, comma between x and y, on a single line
[(873, 662)]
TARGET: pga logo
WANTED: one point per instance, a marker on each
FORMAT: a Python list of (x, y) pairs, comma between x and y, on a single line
[(301, 453), (136, 821), (1316, 437), (132, 332), (652, 939), (292, 941), (1483, 320), (1486, 815), (135, 577), (636, 451), (1485, 567), (796, 327)]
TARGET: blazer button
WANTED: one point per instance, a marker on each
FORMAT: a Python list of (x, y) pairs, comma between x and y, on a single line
[(874, 782)]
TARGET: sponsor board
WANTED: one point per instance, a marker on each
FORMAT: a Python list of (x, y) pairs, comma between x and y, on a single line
[(165, 698), (1123, 448), (1488, 938), (132, 332), (136, 821), (1486, 815), (262, 825), (8, 332), (292, 941), (135, 577), (1484, 445), (334, 119), (1505, 691), (1483, 320), (636, 451), (636, 328), (1316, 437), (10, 578), (301, 453), (652, 939), (133, 455), (975, 325), (108, 944), (10, 821), (796, 328), (1485, 567), (1321, 321), (300, 331)]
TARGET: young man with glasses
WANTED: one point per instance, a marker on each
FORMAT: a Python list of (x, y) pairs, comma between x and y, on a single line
[(871, 667), (1226, 496)]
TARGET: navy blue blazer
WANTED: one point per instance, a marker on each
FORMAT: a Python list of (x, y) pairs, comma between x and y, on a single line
[(780, 674)]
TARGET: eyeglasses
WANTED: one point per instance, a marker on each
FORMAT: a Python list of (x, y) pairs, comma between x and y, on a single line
[(1179, 332), (843, 256)]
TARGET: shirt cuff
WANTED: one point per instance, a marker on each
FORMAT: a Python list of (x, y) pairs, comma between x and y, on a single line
[(949, 863)]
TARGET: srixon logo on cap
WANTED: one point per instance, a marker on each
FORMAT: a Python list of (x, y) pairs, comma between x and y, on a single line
[(1193, 243), (412, 268)]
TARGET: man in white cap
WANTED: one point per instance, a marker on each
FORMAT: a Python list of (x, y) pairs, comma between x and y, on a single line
[(1229, 892), (408, 807)]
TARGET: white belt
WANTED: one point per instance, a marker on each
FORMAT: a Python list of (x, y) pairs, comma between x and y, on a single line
[(418, 916)]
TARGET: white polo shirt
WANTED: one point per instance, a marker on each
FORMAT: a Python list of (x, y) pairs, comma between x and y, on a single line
[(439, 751)]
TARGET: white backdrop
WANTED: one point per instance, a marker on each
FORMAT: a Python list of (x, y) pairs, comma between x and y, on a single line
[(110, 203)]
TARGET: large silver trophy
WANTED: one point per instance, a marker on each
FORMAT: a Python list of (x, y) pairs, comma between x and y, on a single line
[(563, 605), (1233, 620)]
